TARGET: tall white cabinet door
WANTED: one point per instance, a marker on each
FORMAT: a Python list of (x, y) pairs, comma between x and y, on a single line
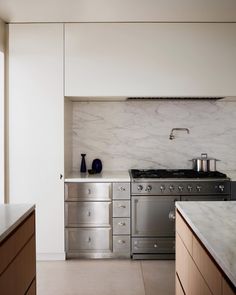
[(36, 142), (150, 59)]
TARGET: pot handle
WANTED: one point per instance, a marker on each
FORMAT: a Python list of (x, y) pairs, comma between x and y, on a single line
[(204, 155)]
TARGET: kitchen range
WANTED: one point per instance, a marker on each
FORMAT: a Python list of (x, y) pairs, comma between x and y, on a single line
[(153, 197)]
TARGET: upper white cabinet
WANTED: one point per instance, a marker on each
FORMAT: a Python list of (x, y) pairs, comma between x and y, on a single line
[(36, 129), (150, 59)]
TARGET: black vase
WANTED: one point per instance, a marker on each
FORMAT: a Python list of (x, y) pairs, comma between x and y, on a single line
[(97, 165), (83, 164)]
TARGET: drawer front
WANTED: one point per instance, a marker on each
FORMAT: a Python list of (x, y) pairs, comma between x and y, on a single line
[(184, 233), (121, 208), (121, 190), (207, 268), (87, 191), (88, 240), (121, 226), (121, 244), (153, 245), (178, 288), (18, 276), (13, 244), (87, 214)]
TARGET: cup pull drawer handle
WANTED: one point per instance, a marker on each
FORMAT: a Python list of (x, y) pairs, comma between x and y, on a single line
[(122, 189), (121, 241), (121, 206), (121, 223), (172, 215)]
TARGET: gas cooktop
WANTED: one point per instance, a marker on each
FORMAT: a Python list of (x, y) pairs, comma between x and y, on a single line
[(174, 173)]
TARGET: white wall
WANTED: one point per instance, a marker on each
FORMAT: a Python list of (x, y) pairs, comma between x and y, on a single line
[(135, 134), (36, 137), (2, 106), (117, 10)]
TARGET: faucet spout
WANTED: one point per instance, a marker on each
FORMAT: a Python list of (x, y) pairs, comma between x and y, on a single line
[(172, 136)]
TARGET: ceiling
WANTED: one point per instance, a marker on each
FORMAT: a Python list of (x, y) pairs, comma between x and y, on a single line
[(117, 10)]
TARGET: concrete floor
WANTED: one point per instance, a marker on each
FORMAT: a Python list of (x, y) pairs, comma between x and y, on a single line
[(106, 277)]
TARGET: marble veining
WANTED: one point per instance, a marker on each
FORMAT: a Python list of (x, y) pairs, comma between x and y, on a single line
[(214, 223), (135, 134)]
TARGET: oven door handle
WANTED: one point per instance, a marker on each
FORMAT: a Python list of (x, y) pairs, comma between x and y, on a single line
[(172, 215)]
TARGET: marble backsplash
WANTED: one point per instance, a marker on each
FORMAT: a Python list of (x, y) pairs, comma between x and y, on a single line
[(135, 134)]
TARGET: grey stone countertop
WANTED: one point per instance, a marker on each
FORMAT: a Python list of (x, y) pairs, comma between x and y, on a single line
[(104, 176), (11, 215), (214, 223)]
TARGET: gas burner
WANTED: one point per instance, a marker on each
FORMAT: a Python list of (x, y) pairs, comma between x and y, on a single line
[(174, 173)]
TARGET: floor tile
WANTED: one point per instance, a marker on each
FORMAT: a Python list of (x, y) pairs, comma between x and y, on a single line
[(159, 277), (88, 277)]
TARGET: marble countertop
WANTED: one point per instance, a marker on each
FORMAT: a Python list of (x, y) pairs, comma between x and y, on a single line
[(104, 176), (11, 215), (214, 223), (230, 173)]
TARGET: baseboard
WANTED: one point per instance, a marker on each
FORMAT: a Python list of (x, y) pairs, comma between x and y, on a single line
[(50, 256)]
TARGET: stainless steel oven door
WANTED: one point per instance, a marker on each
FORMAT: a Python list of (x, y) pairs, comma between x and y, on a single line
[(153, 216)]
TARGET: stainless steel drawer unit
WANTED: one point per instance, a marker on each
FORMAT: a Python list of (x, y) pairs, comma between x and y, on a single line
[(121, 190), (121, 244), (88, 214), (121, 226), (88, 240), (87, 191), (121, 208)]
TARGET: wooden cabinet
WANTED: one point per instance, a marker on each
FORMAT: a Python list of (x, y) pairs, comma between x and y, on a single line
[(196, 271), (18, 260), (227, 290), (150, 59), (35, 129)]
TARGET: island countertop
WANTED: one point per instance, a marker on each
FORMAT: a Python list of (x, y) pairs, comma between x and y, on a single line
[(11, 215), (214, 223)]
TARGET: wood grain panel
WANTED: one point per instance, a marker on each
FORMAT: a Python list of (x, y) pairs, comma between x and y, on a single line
[(32, 289), (207, 268), (21, 272), (178, 288), (227, 289), (184, 232), (13, 244)]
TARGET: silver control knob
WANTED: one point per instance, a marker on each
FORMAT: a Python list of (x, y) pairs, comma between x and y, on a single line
[(198, 187), (140, 187), (171, 188), (162, 188), (148, 188), (221, 187), (189, 187), (181, 188)]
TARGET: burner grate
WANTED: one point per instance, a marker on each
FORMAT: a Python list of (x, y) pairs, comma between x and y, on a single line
[(175, 173)]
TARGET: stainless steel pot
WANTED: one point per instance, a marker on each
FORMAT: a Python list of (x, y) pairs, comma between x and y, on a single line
[(204, 164)]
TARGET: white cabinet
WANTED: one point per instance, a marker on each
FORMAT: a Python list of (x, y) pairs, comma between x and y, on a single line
[(36, 142), (150, 59)]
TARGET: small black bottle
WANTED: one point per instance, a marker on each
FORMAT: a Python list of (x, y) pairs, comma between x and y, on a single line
[(83, 164)]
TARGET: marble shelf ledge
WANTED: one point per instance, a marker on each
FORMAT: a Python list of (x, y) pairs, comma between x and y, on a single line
[(214, 223), (104, 176), (11, 215)]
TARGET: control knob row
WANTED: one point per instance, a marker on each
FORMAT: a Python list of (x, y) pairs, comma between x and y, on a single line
[(147, 189)]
